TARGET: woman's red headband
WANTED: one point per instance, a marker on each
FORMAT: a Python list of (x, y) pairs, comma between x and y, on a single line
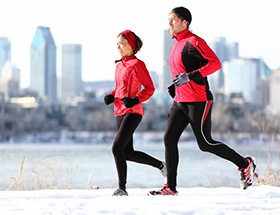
[(130, 38)]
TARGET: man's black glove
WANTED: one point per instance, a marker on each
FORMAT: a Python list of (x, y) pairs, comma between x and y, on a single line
[(171, 90), (181, 79), (108, 99), (129, 102)]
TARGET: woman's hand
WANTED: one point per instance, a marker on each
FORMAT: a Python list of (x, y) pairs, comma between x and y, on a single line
[(129, 102), (108, 99)]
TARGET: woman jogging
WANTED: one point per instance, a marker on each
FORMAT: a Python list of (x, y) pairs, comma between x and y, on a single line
[(131, 74)]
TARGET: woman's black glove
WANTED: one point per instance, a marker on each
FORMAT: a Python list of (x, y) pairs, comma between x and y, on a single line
[(129, 102), (108, 99), (171, 90)]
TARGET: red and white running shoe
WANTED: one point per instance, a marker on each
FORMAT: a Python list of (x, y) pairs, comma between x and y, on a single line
[(165, 191), (247, 174)]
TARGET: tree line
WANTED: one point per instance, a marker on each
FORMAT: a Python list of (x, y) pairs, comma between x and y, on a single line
[(94, 116)]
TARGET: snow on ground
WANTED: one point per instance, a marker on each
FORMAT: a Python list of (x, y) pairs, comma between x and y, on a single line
[(259, 200)]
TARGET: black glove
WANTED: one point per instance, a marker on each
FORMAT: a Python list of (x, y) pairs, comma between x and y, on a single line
[(181, 79), (108, 99), (171, 90), (129, 102)]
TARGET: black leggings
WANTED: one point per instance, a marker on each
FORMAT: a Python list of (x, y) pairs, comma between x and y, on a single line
[(123, 147), (198, 114)]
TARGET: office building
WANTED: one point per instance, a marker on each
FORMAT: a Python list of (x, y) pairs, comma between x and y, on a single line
[(10, 81), (249, 77), (155, 78), (5, 52), (225, 51), (43, 78), (241, 78), (166, 78), (71, 77), (274, 92)]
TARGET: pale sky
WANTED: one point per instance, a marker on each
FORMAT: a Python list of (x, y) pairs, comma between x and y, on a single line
[(96, 24)]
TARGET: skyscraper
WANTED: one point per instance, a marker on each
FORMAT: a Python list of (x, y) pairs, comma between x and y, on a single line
[(166, 78), (274, 92), (5, 51), (10, 80), (43, 78), (249, 76), (71, 79), (241, 77), (225, 51)]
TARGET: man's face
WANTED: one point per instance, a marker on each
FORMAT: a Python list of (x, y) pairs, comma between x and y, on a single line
[(176, 24)]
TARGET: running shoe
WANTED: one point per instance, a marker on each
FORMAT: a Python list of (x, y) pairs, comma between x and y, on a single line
[(247, 174), (120, 192), (165, 191)]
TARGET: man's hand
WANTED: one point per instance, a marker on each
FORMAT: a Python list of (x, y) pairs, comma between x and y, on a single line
[(181, 79)]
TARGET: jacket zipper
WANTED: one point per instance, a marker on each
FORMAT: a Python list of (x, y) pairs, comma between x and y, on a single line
[(128, 88)]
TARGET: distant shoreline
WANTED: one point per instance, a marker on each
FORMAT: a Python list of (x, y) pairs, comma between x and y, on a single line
[(147, 136)]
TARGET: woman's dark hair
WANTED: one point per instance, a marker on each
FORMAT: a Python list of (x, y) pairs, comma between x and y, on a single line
[(138, 43)]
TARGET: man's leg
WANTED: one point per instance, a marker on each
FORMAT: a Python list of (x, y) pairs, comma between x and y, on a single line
[(200, 120), (176, 123)]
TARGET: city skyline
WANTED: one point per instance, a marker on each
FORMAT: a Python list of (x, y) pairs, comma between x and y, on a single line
[(95, 25)]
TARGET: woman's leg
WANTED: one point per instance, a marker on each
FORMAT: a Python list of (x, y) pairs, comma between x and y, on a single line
[(126, 126), (140, 157)]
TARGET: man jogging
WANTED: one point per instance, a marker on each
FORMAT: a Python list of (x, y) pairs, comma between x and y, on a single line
[(191, 61)]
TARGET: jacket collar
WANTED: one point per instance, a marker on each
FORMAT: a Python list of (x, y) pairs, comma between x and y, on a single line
[(124, 59), (182, 35)]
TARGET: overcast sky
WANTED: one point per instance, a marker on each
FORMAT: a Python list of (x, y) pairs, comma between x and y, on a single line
[(96, 24)]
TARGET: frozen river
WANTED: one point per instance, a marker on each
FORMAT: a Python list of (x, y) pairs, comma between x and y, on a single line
[(79, 166)]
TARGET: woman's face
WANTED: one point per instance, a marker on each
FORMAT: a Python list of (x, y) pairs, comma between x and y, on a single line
[(124, 48)]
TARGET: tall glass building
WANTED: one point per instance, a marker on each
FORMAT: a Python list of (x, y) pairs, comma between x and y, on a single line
[(166, 78), (5, 52), (274, 92), (43, 77), (250, 77), (71, 77), (225, 51)]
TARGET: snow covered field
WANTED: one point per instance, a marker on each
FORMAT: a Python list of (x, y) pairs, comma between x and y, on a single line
[(206, 185), (257, 200)]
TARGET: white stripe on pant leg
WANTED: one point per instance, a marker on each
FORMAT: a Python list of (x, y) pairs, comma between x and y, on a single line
[(201, 125)]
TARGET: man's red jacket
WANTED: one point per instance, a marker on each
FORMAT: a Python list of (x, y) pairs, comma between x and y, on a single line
[(191, 55)]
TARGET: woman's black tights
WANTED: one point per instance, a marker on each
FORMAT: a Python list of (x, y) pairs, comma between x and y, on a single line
[(123, 147)]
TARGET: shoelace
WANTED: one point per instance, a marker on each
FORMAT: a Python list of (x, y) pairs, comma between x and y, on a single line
[(246, 173)]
